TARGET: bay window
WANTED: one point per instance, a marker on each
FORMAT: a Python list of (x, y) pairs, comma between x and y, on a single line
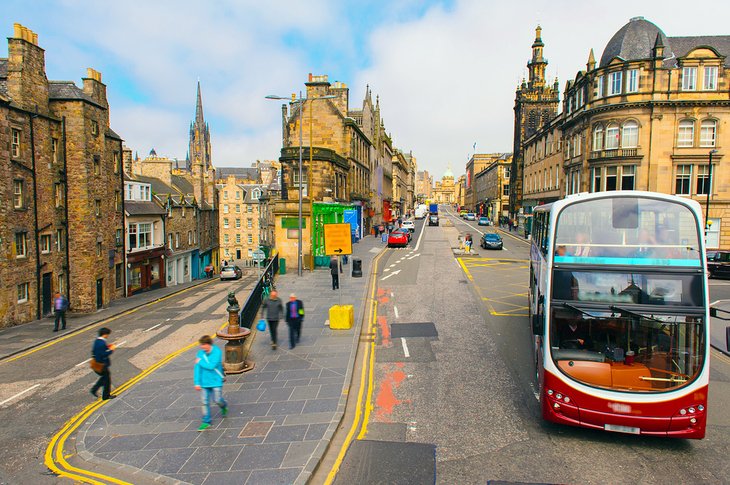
[(612, 137), (630, 135)]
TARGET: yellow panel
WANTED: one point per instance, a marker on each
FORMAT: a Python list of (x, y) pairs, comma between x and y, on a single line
[(342, 317)]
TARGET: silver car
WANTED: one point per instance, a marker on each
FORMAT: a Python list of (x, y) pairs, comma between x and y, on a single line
[(231, 272)]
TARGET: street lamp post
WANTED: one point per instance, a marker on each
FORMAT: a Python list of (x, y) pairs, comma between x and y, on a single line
[(300, 102), (709, 191)]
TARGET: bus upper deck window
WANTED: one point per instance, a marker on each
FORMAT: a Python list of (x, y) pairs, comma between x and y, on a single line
[(625, 213)]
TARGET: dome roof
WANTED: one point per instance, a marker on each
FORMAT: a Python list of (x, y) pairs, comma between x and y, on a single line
[(448, 173), (633, 41)]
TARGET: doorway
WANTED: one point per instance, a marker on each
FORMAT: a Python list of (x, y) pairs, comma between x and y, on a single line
[(47, 293), (238, 254), (99, 293)]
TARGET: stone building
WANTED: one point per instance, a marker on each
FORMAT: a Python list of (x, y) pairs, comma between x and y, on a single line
[(61, 204), (460, 191), (543, 174), (476, 164), (347, 169), (536, 103), (239, 215), (492, 187), (401, 168), (424, 185), (444, 191), (650, 115)]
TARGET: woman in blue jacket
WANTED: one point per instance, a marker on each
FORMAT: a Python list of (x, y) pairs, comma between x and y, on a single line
[(209, 378)]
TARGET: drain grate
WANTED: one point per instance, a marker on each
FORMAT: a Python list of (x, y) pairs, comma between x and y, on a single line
[(426, 329)]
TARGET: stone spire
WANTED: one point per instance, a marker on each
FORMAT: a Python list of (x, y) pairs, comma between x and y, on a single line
[(591, 64), (538, 63), (199, 108), (199, 153)]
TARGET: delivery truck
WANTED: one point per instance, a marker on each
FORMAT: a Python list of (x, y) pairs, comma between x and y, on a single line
[(433, 208)]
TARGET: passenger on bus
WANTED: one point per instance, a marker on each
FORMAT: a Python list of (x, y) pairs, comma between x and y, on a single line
[(581, 249)]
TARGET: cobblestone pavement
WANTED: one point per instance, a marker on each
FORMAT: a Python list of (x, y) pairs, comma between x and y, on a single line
[(282, 414)]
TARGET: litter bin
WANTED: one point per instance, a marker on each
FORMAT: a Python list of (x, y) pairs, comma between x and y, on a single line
[(282, 266), (356, 268)]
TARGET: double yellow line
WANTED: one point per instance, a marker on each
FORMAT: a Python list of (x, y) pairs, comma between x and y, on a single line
[(368, 363), (54, 457)]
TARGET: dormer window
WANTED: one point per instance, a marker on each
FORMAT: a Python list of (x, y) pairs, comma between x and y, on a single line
[(615, 80), (632, 81), (689, 78), (710, 80)]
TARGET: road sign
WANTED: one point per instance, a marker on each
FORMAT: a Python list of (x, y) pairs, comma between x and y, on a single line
[(258, 255), (337, 239)]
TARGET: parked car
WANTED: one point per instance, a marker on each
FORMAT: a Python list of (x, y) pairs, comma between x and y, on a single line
[(491, 240), (484, 221), (410, 225), (718, 264), (433, 220), (462, 213), (231, 272), (398, 238), (471, 216)]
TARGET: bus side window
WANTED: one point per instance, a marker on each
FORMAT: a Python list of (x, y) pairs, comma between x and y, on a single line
[(545, 241)]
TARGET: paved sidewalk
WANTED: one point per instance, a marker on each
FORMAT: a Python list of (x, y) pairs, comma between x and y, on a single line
[(17, 339), (282, 414)]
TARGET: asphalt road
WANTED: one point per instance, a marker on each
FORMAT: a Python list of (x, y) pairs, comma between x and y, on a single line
[(454, 386), (42, 390)]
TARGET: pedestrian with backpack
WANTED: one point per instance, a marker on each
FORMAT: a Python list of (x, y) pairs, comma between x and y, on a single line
[(60, 305), (208, 379)]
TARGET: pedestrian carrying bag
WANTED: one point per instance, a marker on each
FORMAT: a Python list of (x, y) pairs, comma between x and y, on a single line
[(97, 367)]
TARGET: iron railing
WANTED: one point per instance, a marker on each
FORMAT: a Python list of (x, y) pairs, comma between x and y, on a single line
[(253, 302)]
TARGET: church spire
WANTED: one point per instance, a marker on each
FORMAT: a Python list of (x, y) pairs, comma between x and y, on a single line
[(538, 63), (199, 107), (199, 146)]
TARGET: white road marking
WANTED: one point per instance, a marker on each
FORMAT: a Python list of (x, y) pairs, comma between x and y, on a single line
[(391, 274), (414, 256), (386, 269), (401, 259), (418, 243), (152, 328), (717, 301), (19, 394), (392, 295), (120, 343), (537, 396), (82, 363), (395, 310), (392, 265), (405, 347)]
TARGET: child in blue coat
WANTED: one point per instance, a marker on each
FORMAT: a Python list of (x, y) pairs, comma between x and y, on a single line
[(209, 378)]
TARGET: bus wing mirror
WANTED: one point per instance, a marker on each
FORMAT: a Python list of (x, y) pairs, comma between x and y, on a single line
[(727, 338), (713, 312)]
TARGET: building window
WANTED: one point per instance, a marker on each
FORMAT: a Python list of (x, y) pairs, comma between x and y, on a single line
[(225, 222), (703, 180), (238, 238), (45, 243), (250, 252), (633, 81), (238, 195), (118, 237), (21, 245), (630, 135), (61, 284), (628, 177), (59, 240), (94, 127), (177, 240), (250, 238), (249, 223), (140, 235), (225, 208), (54, 150), (118, 275), (18, 196), (183, 209), (23, 292), (599, 91), (58, 194), (505, 190), (710, 80), (190, 237), (707, 133), (98, 248), (97, 165), (238, 223), (682, 180), (249, 208), (226, 252), (256, 194), (598, 138), (225, 195), (612, 137), (97, 207), (169, 240), (15, 143), (226, 238), (614, 82), (611, 178), (596, 179), (238, 207), (576, 146), (117, 162), (686, 133), (689, 78)]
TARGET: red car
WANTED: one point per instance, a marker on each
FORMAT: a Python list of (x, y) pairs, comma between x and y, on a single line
[(397, 238)]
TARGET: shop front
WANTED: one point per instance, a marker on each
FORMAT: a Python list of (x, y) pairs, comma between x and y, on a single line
[(145, 270), (179, 268), (325, 213)]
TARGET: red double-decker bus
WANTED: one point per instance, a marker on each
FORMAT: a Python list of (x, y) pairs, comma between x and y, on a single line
[(620, 313)]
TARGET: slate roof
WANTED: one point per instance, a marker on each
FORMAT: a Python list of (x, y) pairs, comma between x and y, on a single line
[(248, 190), (182, 184), (158, 186), (64, 90), (634, 40), (681, 46), (140, 207), (250, 173)]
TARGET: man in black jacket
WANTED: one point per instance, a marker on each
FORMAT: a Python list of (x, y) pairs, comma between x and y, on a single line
[(101, 352), (294, 317), (335, 271)]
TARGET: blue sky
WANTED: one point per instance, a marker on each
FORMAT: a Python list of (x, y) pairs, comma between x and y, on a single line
[(445, 71)]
